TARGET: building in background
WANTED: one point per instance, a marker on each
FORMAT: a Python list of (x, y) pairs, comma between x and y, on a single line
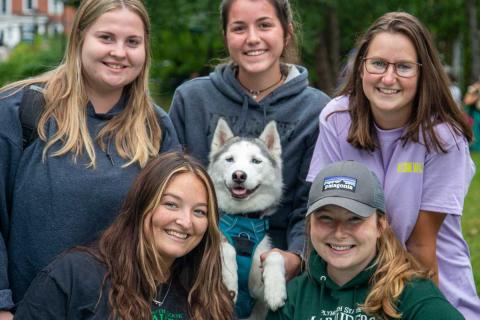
[(20, 20)]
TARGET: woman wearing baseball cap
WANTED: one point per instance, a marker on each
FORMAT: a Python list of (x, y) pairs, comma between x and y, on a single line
[(356, 267)]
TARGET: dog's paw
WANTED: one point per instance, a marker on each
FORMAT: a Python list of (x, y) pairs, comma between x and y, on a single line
[(229, 269), (275, 291)]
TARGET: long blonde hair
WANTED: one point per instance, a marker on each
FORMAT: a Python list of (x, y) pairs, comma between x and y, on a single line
[(135, 131), (395, 268)]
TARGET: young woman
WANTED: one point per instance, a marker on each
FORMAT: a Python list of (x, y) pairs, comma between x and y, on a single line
[(397, 116), (357, 268), (97, 128), (257, 86), (160, 258)]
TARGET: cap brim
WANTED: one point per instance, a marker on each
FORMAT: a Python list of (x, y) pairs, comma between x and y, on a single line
[(355, 207)]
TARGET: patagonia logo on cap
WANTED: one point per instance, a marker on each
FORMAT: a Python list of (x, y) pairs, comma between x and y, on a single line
[(339, 183)]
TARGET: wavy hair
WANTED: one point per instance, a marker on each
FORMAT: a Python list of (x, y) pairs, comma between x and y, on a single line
[(134, 265), (395, 267), (135, 131), (284, 14), (433, 103)]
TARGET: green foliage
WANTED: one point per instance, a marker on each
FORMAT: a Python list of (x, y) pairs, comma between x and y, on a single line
[(28, 60), (185, 38), (471, 221)]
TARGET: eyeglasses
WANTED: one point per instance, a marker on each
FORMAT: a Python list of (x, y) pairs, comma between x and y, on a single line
[(404, 69)]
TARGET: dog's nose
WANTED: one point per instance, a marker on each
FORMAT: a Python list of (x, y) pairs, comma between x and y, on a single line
[(239, 176)]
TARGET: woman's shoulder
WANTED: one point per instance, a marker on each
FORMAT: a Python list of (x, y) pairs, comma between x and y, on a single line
[(448, 136), (197, 84), (10, 100), (421, 299), (337, 109), (74, 267)]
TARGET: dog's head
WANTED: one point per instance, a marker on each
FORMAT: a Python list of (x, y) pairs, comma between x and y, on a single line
[(246, 172)]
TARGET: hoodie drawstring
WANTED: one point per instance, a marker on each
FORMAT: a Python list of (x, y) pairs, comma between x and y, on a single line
[(243, 116), (323, 280)]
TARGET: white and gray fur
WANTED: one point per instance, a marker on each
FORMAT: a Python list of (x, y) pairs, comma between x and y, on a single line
[(256, 165)]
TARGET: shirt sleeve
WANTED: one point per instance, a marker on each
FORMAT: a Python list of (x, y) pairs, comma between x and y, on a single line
[(177, 116), (44, 300), (10, 153), (421, 299), (169, 138), (327, 147), (447, 177)]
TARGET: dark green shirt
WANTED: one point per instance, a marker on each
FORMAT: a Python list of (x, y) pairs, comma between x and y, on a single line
[(317, 297)]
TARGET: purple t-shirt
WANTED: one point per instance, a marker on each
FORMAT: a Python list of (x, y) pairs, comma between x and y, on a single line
[(413, 180)]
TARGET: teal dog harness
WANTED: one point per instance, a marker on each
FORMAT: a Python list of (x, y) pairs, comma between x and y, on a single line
[(244, 234)]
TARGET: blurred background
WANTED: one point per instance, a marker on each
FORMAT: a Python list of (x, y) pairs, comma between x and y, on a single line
[(187, 42)]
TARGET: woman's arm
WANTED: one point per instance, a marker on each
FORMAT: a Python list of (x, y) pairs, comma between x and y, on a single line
[(44, 300), (422, 243)]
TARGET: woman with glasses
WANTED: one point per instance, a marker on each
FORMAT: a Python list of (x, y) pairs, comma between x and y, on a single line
[(396, 115)]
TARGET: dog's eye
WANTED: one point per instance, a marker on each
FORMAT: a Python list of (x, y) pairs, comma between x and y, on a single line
[(256, 161), (229, 159)]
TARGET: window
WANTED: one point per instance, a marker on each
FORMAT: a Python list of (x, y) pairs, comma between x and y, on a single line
[(4, 6), (30, 5), (55, 7)]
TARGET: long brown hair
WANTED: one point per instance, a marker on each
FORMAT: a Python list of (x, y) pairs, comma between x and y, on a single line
[(433, 103), (134, 266), (135, 131), (395, 268)]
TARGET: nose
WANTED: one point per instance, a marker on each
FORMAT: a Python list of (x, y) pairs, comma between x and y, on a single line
[(252, 36), (239, 176), (118, 51), (389, 76), (340, 230), (184, 219)]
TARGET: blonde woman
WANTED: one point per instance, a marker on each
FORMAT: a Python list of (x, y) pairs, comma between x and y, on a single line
[(160, 259), (97, 129), (357, 268)]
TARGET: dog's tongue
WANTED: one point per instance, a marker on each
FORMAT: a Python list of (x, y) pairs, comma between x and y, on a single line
[(239, 191)]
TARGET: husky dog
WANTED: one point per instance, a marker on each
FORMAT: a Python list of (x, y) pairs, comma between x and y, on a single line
[(247, 175)]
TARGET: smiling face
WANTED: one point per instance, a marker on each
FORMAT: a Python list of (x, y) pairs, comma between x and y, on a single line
[(255, 38), (113, 52), (180, 221), (391, 97), (344, 240)]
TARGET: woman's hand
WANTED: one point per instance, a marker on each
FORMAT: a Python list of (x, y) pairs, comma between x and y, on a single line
[(6, 315)]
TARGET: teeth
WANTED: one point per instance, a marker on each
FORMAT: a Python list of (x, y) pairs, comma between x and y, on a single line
[(388, 91), (114, 66), (177, 234), (340, 248), (255, 52)]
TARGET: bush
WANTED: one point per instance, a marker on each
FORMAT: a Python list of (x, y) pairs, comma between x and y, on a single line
[(28, 60)]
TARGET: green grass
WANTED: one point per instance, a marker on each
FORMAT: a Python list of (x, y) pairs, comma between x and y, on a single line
[(471, 220)]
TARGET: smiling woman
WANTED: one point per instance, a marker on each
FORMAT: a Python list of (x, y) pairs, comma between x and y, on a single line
[(260, 83), (397, 116), (94, 128), (159, 259), (356, 267)]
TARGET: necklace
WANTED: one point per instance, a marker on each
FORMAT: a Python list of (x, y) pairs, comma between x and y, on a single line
[(160, 303), (256, 93)]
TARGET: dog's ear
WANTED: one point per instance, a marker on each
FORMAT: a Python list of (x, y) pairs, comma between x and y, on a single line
[(222, 134), (271, 138)]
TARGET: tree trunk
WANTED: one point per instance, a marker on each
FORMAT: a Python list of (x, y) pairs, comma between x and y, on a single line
[(474, 34)]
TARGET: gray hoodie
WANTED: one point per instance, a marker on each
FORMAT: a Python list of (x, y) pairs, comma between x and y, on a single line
[(199, 103)]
